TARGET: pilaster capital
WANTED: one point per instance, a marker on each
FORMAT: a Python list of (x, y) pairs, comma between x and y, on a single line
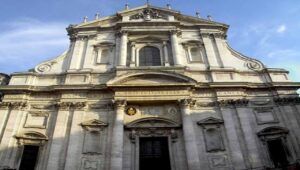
[(64, 105), (122, 33), (186, 102), (5, 105), (175, 32), (120, 104), (18, 105)]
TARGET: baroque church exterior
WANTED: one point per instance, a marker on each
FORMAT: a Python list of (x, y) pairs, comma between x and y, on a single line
[(149, 88)]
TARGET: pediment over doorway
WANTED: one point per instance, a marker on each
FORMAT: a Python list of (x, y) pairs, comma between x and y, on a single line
[(153, 123), (153, 78)]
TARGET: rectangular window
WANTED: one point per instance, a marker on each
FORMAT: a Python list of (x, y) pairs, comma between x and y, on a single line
[(29, 157)]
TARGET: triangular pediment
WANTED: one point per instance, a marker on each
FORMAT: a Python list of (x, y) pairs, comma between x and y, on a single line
[(93, 122), (148, 13), (150, 79)]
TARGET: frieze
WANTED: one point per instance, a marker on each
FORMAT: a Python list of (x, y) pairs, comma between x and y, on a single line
[(187, 102), (206, 104), (42, 106), (233, 102), (71, 105), (5, 105), (151, 93), (230, 93), (286, 100)]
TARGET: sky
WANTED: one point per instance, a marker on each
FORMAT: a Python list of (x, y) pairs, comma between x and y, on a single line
[(32, 31)]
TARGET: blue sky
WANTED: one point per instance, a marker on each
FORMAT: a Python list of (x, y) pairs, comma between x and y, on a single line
[(32, 31)]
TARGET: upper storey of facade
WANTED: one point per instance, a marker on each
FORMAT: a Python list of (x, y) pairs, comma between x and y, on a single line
[(150, 39)]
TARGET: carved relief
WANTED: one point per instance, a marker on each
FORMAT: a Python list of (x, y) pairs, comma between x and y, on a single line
[(88, 163), (18, 105), (253, 65), (218, 161), (148, 14)]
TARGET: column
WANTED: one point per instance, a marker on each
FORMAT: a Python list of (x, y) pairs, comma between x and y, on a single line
[(191, 148), (175, 47), (116, 162), (123, 49), (165, 48), (132, 60)]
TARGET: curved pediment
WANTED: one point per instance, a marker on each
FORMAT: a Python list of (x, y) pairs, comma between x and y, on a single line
[(274, 130), (32, 135), (153, 78), (153, 122)]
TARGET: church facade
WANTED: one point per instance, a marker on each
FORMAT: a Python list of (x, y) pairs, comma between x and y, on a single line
[(149, 88)]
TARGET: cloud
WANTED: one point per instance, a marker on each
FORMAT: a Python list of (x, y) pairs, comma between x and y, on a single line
[(26, 42), (281, 29), (284, 53)]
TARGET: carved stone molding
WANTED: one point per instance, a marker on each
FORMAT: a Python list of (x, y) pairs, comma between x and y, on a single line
[(286, 100), (71, 105), (13, 105), (42, 106), (152, 132), (93, 125), (221, 35), (31, 137), (4, 105), (233, 102), (272, 132)]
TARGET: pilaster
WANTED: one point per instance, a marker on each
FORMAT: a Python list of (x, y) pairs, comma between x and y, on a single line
[(189, 134)]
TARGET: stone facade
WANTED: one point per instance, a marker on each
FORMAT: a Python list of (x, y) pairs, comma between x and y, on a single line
[(89, 107)]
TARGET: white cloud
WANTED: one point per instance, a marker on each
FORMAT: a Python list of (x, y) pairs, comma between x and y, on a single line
[(281, 28), (25, 43), (284, 53)]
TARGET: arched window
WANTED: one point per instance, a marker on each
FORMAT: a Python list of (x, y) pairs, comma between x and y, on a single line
[(149, 56)]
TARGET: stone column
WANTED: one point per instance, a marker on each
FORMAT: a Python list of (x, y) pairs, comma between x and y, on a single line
[(165, 47), (189, 135), (123, 49), (116, 162), (132, 61), (175, 47)]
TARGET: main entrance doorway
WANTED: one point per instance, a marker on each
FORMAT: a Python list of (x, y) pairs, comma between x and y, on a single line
[(154, 153)]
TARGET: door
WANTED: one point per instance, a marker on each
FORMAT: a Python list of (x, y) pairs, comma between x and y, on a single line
[(154, 153), (29, 157)]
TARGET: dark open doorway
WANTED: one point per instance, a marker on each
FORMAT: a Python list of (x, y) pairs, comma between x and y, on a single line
[(29, 157), (154, 153), (277, 153)]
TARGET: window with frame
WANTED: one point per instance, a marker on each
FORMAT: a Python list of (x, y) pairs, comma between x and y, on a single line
[(195, 53), (29, 157), (103, 56), (149, 56)]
